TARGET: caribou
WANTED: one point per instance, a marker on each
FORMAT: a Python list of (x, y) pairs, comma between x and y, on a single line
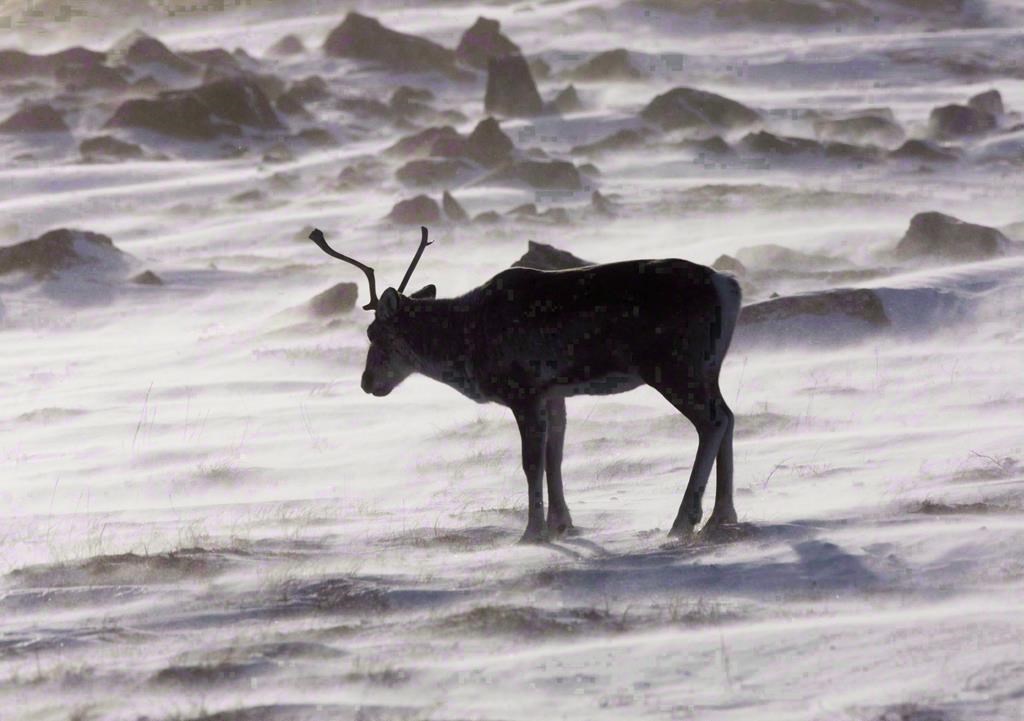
[(527, 339)]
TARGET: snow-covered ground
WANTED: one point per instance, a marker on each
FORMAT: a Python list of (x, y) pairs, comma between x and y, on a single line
[(202, 516)]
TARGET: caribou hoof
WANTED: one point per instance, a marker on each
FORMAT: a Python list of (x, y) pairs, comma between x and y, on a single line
[(534, 534), (560, 524), (683, 531)]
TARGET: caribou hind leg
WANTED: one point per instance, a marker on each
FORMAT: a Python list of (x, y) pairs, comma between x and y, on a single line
[(532, 420), (559, 519), (703, 405), (724, 511)]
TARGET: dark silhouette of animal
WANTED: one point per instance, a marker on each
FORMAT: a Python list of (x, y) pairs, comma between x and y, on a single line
[(529, 338)]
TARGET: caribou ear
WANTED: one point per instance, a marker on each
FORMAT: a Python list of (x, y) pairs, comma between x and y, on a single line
[(388, 305), (427, 291)]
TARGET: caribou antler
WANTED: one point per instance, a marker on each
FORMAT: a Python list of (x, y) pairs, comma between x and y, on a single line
[(416, 259), (318, 237)]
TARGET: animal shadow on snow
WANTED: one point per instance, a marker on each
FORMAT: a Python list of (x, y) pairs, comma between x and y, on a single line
[(819, 566)]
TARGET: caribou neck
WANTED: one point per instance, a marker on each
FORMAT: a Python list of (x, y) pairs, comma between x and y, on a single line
[(441, 342)]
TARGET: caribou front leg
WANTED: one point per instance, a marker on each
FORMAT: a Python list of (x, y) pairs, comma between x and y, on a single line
[(532, 419), (559, 519)]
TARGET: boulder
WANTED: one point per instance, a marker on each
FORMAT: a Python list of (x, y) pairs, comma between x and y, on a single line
[(16, 64), (567, 100), (488, 144), (924, 150), (453, 210), (107, 147), (59, 250), (547, 257), (287, 45), (954, 121), (147, 277), (728, 264), (619, 140), (860, 305), (92, 76), (40, 118), (423, 142), (362, 37), (550, 175), (339, 298), (860, 129), (714, 145), (309, 89), (765, 143), (430, 172), (204, 113), (609, 65), (990, 102), (145, 53), (510, 88), (421, 210), (935, 235), (488, 217), (482, 42), (410, 102), (692, 108), (777, 257), (601, 204)]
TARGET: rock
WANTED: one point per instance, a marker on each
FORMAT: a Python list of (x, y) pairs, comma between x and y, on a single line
[(204, 113), (482, 42), (420, 210), (567, 101), (619, 140), (365, 38), (990, 102), (410, 102), (590, 169), (728, 264), (248, 196), (278, 153), (317, 137), (934, 235), (777, 257), (365, 107), (488, 217), (558, 216), (287, 45), (272, 85), (714, 145), (145, 53), (860, 129), (59, 250), (547, 257), (290, 105), (217, 59), (359, 174), (340, 298), (524, 210), (18, 64), (924, 150), (423, 142), (147, 277), (40, 118), (609, 65), (453, 210), (552, 175), (107, 147), (510, 88), (857, 304), (310, 88), (601, 204), (954, 121), (430, 172), (93, 76), (488, 144), (765, 143), (692, 108)]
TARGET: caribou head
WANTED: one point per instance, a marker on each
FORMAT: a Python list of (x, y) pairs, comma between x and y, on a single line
[(390, 358)]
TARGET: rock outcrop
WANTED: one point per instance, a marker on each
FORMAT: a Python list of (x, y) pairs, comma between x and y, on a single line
[(547, 257), (59, 250), (210, 111), (699, 109), (453, 210), (107, 148), (40, 118), (935, 235), (362, 37), (609, 65), (956, 121), (540, 175), (421, 210), (337, 299), (510, 88), (483, 41)]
